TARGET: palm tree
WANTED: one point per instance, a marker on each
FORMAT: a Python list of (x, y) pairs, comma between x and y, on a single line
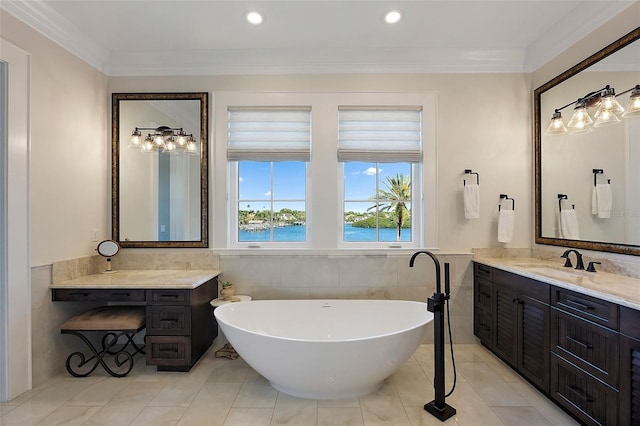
[(397, 194)]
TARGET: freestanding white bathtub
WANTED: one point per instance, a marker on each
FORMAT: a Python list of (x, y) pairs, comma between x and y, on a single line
[(325, 349)]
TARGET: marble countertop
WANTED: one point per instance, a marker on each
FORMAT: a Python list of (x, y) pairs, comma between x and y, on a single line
[(142, 279), (614, 288)]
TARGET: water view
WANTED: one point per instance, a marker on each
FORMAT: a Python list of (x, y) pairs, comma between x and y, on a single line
[(296, 233)]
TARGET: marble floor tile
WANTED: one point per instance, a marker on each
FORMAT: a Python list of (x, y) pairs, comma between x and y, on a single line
[(340, 416), (159, 416), (223, 392), (495, 392), (518, 416)]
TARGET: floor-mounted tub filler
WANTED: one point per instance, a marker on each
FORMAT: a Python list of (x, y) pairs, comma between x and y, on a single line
[(325, 349)]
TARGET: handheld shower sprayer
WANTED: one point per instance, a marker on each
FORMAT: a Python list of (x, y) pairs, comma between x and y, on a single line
[(436, 304)]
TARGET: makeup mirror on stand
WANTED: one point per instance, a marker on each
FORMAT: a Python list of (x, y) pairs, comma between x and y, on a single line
[(108, 249)]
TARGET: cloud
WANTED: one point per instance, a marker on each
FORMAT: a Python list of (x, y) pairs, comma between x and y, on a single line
[(240, 179), (371, 171), (267, 194)]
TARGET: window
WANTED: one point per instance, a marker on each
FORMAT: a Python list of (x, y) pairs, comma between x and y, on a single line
[(381, 151), (270, 148), (267, 174)]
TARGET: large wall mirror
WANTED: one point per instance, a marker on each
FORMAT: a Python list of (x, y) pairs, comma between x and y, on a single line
[(587, 175), (159, 169)]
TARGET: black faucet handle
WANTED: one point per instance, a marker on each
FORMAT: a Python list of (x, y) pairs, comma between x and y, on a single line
[(591, 267)]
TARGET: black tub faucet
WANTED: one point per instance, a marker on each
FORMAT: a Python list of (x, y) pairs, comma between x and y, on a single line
[(567, 263)]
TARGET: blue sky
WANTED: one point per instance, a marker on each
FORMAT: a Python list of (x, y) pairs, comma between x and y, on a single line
[(289, 183)]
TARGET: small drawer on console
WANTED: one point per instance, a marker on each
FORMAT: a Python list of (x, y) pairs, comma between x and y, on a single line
[(589, 346), (92, 295), (168, 350), (168, 297), (168, 320), (587, 307)]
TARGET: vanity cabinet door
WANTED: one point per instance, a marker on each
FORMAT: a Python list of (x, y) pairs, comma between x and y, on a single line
[(629, 366), (505, 317), (522, 325)]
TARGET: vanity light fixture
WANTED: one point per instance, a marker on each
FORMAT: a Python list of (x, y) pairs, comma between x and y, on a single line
[(163, 139), (608, 111)]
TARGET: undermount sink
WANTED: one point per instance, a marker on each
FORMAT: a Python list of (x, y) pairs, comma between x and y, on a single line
[(559, 272)]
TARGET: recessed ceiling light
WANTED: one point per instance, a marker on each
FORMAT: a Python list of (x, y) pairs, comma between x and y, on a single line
[(254, 17), (392, 16)]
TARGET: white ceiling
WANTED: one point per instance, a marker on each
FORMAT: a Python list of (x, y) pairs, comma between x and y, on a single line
[(151, 37)]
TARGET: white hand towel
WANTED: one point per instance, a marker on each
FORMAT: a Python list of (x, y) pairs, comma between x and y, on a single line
[(471, 201), (569, 224), (604, 198), (594, 201), (506, 222)]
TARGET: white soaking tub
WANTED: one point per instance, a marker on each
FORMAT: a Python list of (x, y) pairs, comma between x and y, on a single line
[(325, 349)]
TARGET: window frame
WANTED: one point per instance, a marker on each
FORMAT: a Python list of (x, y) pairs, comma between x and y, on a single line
[(324, 207)]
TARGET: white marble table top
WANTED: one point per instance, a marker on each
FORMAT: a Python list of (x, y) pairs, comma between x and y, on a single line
[(620, 289), (142, 279)]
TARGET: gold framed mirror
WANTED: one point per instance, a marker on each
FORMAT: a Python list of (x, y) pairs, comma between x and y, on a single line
[(571, 168), (159, 170)]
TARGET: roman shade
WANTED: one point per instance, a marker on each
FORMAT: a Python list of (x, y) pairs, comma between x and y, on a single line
[(383, 134), (269, 133)]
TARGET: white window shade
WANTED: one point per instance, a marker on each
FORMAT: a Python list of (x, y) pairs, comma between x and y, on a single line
[(380, 134), (269, 133)]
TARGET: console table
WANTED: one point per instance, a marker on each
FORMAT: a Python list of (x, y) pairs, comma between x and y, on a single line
[(179, 318)]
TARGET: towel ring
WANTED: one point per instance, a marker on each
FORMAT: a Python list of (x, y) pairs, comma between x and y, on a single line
[(596, 172), (471, 172), (505, 196)]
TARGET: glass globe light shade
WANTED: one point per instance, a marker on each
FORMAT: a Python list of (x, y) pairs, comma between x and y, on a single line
[(633, 109), (580, 121), (136, 139), (556, 126)]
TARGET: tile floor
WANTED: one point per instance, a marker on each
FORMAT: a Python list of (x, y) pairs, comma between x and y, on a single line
[(219, 391)]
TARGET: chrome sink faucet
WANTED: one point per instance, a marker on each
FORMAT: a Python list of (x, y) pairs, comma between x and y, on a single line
[(567, 263)]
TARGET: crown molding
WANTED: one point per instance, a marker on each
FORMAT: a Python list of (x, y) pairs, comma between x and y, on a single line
[(573, 28), (315, 61), (46, 21)]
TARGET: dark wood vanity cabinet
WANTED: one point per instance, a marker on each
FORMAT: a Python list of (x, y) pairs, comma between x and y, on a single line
[(581, 351), (629, 366), (585, 356), (180, 326), (512, 319)]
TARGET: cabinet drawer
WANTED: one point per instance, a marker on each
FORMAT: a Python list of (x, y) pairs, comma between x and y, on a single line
[(168, 350), (90, 295), (589, 346), (590, 308), (482, 293), (592, 401), (482, 326), (482, 271), (168, 297), (168, 320)]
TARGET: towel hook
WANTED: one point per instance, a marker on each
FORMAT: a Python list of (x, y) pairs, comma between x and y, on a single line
[(471, 172), (506, 197)]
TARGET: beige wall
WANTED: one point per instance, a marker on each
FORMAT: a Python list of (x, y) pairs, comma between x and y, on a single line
[(483, 123), (69, 147)]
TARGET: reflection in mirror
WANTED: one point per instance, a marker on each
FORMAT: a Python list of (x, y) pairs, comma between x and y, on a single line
[(160, 169), (587, 139)]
